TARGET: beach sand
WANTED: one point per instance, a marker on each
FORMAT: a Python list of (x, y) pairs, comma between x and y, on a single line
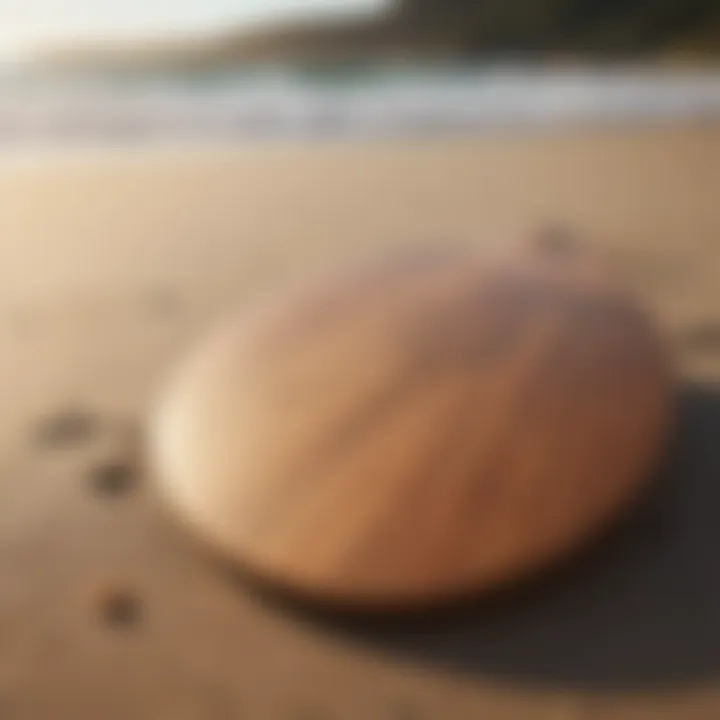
[(112, 263)]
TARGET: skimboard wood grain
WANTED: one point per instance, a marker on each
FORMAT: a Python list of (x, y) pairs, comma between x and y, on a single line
[(418, 428)]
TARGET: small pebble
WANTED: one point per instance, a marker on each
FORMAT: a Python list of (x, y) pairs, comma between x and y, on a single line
[(67, 427), (113, 479), (704, 337), (120, 610)]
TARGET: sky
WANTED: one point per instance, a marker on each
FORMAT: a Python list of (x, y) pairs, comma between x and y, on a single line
[(29, 24)]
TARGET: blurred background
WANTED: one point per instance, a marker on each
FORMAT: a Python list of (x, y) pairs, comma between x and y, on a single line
[(83, 71)]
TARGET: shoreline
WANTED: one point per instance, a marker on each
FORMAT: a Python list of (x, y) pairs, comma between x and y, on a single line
[(187, 149), (285, 107)]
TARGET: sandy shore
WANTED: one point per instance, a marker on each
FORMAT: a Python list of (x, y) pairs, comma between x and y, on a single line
[(229, 215), (111, 264), (82, 235)]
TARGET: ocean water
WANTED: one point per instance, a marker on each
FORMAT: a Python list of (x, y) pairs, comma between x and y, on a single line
[(277, 103)]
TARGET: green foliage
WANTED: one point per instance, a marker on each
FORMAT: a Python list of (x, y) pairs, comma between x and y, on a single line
[(468, 30)]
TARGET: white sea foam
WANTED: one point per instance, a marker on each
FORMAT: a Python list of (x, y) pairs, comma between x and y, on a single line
[(275, 104)]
